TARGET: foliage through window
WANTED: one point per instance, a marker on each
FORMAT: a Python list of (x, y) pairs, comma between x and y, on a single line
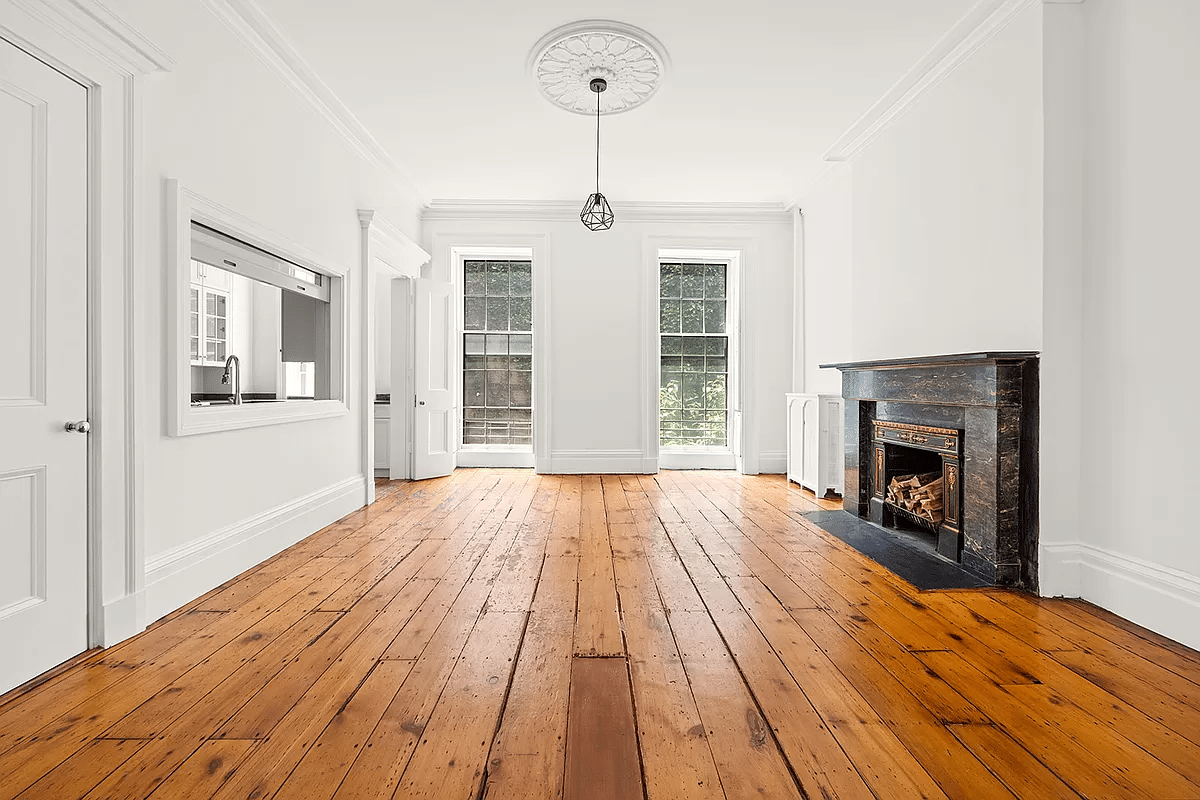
[(497, 353), (694, 350)]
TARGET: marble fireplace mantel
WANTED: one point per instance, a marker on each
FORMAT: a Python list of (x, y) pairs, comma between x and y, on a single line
[(992, 399)]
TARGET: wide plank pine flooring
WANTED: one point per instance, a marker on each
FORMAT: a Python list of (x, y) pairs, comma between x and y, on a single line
[(499, 634)]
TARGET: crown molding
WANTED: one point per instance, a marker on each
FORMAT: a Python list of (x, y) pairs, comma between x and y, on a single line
[(564, 210), (257, 31), (981, 23), (411, 255), (93, 26)]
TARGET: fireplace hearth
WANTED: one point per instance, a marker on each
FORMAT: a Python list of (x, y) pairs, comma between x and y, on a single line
[(970, 417)]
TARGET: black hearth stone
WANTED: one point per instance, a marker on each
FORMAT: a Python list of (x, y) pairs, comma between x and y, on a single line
[(917, 564)]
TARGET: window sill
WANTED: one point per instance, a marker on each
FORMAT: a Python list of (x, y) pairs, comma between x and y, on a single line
[(194, 420)]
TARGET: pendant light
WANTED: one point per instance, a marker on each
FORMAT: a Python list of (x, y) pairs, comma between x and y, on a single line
[(597, 214)]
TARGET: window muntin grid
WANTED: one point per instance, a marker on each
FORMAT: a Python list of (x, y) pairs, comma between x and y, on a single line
[(694, 355), (497, 352)]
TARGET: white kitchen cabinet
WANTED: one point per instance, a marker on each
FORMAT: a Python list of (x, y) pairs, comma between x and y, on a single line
[(383, 426), (210, 313), (814, 442)]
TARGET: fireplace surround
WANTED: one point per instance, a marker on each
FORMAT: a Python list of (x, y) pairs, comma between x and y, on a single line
[(974, 416)]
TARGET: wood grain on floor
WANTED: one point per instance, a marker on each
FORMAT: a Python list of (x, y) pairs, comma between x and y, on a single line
[(499, 634)]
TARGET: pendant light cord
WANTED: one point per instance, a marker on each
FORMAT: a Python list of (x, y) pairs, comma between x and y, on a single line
[(597, 142)]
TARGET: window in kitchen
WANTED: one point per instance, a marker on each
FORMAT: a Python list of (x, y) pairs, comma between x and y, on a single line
[(497, 354)]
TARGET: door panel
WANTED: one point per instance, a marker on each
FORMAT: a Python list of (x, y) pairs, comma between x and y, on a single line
[(43, 378), (400, 465), (436, 411)]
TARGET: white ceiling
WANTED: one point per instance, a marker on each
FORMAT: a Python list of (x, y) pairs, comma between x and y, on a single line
[(758, 90)]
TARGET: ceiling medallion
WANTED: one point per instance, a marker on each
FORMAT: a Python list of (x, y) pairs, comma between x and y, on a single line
[(631, 61)]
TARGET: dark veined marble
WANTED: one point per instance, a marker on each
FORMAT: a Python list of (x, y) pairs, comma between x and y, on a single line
[(992, 398)]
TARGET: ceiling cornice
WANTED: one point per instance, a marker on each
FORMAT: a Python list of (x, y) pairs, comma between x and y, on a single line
[(559, 211), (982, 22), (92, 25), (257, 31)]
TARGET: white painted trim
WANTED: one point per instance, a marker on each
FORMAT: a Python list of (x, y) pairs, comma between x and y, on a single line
[(741, 253), (772, 462), (95, 55), (382, 244), (124, 617), (94, 27), (589, 462), (469, 457), (972, 32), (183, 573), (677, 459), (259, 33), (448, 250), (1158, 597), (185, 206), (631, 211)]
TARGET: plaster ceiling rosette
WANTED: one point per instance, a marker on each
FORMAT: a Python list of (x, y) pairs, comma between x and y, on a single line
[(564, 62)]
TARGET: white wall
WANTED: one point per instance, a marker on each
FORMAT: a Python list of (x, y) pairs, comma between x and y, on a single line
[(829, 311), (232, 131), (597, 298), (1138, 552)]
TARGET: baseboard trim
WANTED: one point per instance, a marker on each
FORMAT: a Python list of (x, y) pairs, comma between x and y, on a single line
[(1157, 597), (773, 462), (586, 462), (124, 617), (183, 573)]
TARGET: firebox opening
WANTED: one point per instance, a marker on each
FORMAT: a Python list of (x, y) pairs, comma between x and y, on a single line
[(914, 491)]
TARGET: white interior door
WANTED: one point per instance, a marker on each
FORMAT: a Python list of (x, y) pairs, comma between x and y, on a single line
[(400, 431), (43, 370), (435, 430)]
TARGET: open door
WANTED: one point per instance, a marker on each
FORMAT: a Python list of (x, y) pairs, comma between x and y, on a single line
[(434, 417)]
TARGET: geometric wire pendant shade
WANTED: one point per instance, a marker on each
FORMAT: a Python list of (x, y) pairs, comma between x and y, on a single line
[(597, 214)]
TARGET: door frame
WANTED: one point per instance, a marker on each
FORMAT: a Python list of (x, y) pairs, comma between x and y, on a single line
[(448, 251), (98, 50), (741, 253)]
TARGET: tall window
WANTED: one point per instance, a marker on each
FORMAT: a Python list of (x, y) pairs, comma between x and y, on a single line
[(498, 354), (694, 347)]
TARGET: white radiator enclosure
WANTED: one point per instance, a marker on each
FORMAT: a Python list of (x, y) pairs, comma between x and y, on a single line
[(814, 442)]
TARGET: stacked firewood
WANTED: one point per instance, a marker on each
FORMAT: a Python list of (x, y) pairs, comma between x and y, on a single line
[(919, 494)]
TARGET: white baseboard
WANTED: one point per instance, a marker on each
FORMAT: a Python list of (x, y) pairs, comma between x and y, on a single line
[(587, 462), (1163, 599), (124, 617), (183, 573), (772, 462)]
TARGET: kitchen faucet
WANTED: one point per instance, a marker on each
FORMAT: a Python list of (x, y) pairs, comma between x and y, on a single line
[(237, 378)]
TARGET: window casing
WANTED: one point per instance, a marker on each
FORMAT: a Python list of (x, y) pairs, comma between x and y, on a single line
[(497, 354), (280, 304), (694, 355)]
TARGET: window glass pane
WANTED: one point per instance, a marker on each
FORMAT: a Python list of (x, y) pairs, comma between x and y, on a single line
[(693, 363), (474, 283), (497, 313), (473, 344), (520, 388), (521, 313), (497, 344), (668, 280), (668, 319), (714, 316), (497, 278), (473, 383), (474, 315), (497, 389), (692, 315), (521, 344), (693, 345), (716, 345), (522, 280), (714, 280), (672, 345), (693, 280)]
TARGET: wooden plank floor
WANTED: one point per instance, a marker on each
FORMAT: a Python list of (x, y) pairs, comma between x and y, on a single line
[(498, 634)]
